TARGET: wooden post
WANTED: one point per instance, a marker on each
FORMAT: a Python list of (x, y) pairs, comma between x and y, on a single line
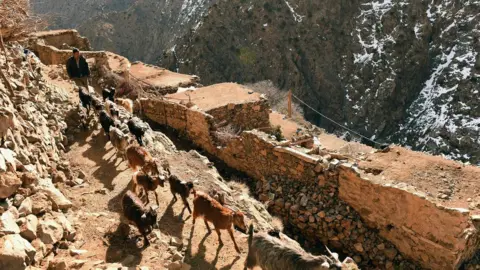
[(290, 104)]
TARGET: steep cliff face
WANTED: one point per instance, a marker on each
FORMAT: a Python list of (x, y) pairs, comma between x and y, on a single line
[(401, 71), (394, 70), (140, 30)]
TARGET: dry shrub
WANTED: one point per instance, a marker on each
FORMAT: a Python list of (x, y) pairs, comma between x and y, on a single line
[(277, 132), (124, 88), (15, 20), (277, 224), (238, 186), (223, 134), (277, 98)]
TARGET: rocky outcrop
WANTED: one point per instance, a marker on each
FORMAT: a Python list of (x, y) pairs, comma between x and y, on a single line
[(30, 204)]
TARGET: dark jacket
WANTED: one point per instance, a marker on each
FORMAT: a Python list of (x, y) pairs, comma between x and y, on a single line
[(74, 71)]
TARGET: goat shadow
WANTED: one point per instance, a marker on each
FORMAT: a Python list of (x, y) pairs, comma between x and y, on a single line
[(107, 168), (198, 261), (121, 245), (169, 223)]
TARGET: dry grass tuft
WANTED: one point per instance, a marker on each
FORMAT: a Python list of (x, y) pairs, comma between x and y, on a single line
[(277, 99)]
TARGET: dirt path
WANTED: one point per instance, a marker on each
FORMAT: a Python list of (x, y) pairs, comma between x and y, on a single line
[(98, 213)]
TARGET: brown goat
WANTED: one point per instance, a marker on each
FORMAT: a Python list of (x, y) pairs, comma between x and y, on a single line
[(126, 103), (139, 157), (148, 183), (223, 218), (181, 188)]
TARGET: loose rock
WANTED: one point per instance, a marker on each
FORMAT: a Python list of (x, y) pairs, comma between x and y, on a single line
[(28, 229), (49, 231), (8, 224), (15, 252)]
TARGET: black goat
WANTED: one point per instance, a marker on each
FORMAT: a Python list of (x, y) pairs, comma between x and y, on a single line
[(106, 122), (85, 98), (97, 103), (108, 94), (181, 188), (136, 128), (135, 212)]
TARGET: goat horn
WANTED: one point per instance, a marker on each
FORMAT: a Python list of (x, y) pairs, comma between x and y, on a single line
[(333, 255)]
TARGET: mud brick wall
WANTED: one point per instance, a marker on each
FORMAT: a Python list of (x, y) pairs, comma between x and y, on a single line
[(246, 116)]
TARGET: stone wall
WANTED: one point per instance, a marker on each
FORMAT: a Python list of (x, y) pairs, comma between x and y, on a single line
[(246, 116), (328, 201), (49, 55), (58, 38)]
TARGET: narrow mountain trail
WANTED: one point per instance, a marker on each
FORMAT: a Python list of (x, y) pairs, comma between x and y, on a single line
[(98, 202)]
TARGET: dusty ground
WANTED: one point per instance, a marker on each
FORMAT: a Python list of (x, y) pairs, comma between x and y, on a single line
[(458, 184), (214, 96), (159, 77), (97, 204), (99, 213)]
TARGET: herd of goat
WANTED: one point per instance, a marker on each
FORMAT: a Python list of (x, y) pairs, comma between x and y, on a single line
[(269, 250)]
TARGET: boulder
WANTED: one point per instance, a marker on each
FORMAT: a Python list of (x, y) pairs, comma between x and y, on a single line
[(41, 249), (15, 252), (28, 229), (8, 224), (18, 199), (58, 199), (28, 179), (68, 230), (25, 208), (49, 231), (59, 177), (9, 159), (9, 183), (57, 264), (42, 203)]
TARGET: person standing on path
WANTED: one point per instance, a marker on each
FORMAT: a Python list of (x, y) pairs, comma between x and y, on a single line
[(77, 69)]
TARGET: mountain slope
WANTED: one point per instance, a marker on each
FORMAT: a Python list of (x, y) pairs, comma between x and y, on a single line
[(401, 71), (140, 30)]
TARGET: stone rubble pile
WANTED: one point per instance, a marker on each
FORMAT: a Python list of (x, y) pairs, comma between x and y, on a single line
[(35, 216), (315, 211)]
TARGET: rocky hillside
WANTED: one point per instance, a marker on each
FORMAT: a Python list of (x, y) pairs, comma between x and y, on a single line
[(139, 30), (401, 71), (395, 70)]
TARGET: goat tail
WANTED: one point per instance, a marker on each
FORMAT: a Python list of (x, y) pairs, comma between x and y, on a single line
[(250, 235)]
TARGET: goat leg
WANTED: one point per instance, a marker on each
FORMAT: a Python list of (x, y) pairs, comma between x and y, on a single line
[(146, 243), (220, 242), (156, 196), (139, 140), (208, 227), (185, 202), (230, 231), (174, 197)]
